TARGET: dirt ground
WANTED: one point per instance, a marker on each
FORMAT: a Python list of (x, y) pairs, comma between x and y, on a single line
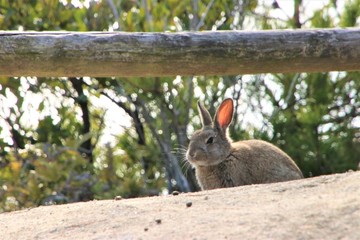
[(326, 207)]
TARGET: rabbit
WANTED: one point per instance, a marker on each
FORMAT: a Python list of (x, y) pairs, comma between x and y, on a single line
[(221, 163)]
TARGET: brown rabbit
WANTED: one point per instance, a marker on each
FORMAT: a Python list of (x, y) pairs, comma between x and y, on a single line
[(220, 163)]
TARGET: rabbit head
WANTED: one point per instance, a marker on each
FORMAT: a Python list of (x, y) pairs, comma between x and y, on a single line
[(211, 145)]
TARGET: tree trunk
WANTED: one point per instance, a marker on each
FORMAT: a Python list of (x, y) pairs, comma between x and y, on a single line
[(86, 147)]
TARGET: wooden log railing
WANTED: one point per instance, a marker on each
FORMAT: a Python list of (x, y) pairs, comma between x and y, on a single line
[(104, 54)]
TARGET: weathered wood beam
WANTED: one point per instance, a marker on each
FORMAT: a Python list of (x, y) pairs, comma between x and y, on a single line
[(104, 54)]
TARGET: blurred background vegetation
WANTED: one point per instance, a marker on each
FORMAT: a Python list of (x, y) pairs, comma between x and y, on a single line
[(75, 139)]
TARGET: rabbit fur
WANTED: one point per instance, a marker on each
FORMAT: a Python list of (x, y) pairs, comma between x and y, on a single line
[(221, 163)]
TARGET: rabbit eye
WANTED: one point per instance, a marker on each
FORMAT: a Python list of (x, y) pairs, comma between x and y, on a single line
[(210, 140)]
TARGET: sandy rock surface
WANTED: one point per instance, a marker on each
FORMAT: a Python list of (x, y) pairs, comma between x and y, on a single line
[(326, 207)]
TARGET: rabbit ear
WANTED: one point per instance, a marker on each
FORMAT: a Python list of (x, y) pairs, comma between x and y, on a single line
[(204, 115), (224, 114)]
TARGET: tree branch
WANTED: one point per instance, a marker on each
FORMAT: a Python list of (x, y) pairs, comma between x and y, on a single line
[(203, 16)]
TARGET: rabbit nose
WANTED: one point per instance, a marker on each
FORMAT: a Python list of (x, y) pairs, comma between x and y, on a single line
[(191, 153)]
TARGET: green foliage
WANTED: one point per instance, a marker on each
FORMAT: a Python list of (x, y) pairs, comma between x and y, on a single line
[(312, 127), (51, 153), (321, 19), (119, 175), (43, 174), (350, 16)]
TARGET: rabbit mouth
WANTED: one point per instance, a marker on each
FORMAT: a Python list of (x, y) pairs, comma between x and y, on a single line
[(204, 162), (203, 158), (195, 160)]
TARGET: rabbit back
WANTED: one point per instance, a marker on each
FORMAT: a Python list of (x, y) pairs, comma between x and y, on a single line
[(266, 162), (249, 162)]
